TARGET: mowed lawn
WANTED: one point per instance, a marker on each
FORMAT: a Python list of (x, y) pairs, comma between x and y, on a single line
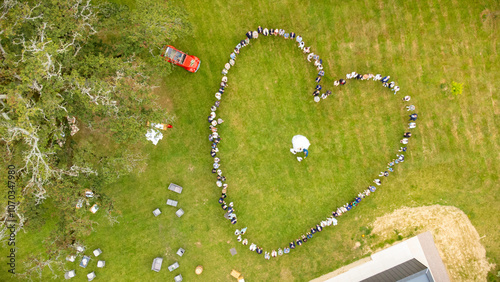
[(452, 159)]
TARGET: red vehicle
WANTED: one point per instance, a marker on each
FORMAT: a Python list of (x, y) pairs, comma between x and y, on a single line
[(190, 63)]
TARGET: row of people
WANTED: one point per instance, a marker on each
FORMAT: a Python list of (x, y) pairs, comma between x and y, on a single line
[(215, 138)]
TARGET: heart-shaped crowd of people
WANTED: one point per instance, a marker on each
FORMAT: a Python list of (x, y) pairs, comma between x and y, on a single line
[(215, 139)]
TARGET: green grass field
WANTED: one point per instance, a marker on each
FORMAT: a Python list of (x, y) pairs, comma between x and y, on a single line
[(452, 160)]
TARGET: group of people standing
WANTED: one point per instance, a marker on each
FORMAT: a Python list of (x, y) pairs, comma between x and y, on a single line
[(399, 157), (215, 139)]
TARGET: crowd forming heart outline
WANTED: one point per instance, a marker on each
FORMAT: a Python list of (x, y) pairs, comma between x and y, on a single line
[(214, 138)]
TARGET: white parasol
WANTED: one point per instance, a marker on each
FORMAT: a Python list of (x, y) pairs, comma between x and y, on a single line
[(300, 143)]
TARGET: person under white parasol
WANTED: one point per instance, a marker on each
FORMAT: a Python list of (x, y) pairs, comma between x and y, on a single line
[(300, 144)]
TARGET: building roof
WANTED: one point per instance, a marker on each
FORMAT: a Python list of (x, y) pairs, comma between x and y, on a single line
[(414, 260)]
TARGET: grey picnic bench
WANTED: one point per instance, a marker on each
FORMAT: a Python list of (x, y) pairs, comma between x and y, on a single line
[(174, 187), (171, 203)]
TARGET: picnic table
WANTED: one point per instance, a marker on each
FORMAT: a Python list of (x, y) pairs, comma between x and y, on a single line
[(157, 264), (173, 266), (174, 187), (172, 203)]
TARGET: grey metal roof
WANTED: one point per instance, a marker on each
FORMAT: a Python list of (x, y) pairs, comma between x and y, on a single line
[(398, 272)]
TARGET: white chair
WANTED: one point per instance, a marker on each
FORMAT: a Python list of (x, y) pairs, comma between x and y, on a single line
[(180, 252), (69, 274), (71, 258), (179, 212), (91, 276), (157, 212), (80, 249), (178, 278), (101, 264), (97, 252)]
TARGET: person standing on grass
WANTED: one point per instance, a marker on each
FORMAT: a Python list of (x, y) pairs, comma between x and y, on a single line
[(413, 117), (342, 81), (412, 125), (249, 35), (404, 141), (299, 39), (265, 32), (253, 247), (255, 35), (410, 108), (292, 35), (385, 79), (407, 134), (406, 98)]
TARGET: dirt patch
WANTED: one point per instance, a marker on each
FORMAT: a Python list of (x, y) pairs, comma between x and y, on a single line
[(286, 274), (456, 238), (198, 244), (357, 245)]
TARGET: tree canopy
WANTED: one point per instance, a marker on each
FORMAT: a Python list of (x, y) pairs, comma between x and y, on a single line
[(69, 66)]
